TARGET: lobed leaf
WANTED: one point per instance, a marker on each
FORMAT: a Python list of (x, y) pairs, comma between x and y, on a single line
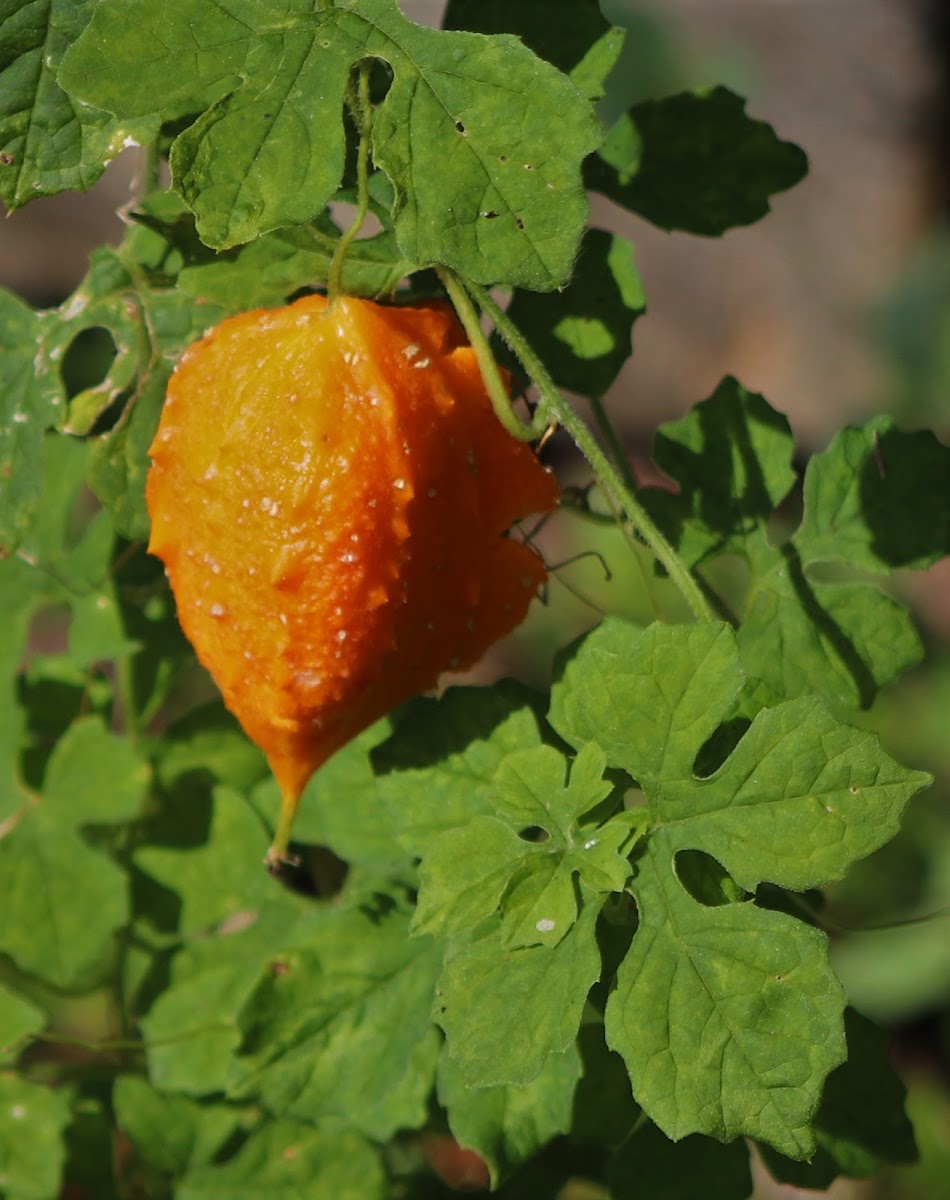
[(571, 34), (437, 770), (695, 162), (267, 150), (728, 1016), (802, 631)]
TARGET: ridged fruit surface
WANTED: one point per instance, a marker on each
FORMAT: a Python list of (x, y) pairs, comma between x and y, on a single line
[(329, 492)]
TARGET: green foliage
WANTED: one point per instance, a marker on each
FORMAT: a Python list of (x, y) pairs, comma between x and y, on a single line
[(567, 928)]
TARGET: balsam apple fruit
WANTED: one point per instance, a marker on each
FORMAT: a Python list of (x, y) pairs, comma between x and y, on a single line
[(329, 491)]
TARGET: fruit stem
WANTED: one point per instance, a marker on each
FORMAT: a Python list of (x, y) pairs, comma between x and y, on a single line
[(610, 478), (362, 109), (277, 853), (491, 375)]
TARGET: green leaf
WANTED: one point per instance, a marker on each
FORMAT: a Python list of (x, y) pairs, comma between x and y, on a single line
[(18, 1021), (468, 871), (582, 332), (695, 162), (171, 1132), (270, 269), (731, 456), (285, 1160), (571, 34), (802, 631), (650, 1164), (878, 498), (437, 770), (508, 1125), (64, 900), (221, 879), (48, 142), (32, 1120), (30, 401), (506, 1012), (338, 1027), (94, 777), (191, 1031), (268, 80), (342, 808), (844, 640), (650, 699), (728, 1017), (861, 1124)]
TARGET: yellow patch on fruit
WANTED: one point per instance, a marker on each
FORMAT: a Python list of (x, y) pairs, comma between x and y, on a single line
[(329, 492)]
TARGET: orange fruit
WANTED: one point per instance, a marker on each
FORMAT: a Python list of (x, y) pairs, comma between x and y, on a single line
[(329, 492)]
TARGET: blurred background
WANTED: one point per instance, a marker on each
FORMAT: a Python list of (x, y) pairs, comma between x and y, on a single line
[(836, 307)]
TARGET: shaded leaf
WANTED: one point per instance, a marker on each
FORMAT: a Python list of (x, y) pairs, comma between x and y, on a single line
[(31, 400), (861, 1124), (649, 1163), (582, 332), (877, 498), (508, 1125), (171, 1132), (437, 770), (285, 1160), (695, 162), (571, 34)]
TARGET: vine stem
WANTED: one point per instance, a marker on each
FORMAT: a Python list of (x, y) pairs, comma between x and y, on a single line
[(363, 113), (491, 375), (555, 407)]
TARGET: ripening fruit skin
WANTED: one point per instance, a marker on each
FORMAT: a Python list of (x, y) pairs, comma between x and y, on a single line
[(329, 492)]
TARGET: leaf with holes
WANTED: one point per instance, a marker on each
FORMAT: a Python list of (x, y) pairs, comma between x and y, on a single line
[(437, 771), (531, 857), (727, 1015), (504, 129)]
